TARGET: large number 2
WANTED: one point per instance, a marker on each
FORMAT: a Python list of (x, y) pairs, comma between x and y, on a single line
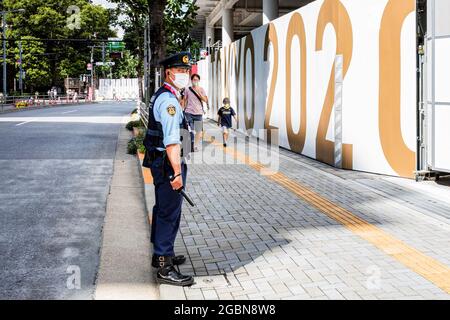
[(332, 11), (271, 38)]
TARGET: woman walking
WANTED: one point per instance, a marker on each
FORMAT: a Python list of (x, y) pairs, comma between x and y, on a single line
[(194, 97)]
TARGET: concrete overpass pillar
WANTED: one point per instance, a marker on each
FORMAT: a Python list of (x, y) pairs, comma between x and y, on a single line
[(209, 32), (270, 10), (227, 27)]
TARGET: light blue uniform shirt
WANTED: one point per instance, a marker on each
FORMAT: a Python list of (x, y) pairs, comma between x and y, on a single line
[(167, 110)]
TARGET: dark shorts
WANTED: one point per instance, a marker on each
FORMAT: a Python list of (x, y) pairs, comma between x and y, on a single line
[(195, 121)]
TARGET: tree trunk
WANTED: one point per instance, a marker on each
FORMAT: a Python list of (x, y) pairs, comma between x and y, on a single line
[(157, 38)]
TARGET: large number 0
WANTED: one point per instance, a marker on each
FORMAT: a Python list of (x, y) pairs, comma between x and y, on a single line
[(237, 72), (249, 46), (332, 11), (399, 156), (296, 28)]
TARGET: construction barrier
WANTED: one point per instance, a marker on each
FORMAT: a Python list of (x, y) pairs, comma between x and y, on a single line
[(336, 78)]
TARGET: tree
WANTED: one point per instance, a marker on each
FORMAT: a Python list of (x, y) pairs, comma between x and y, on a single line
[(136, 12), (126, 67), (170, 23), (57, 19), (180, 17), (34, 63)]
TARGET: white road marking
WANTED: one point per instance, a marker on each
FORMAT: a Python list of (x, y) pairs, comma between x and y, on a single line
[(22, 120), (69, 112), (23, 123)]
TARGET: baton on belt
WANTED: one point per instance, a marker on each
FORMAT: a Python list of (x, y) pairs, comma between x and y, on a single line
[(181, 191)]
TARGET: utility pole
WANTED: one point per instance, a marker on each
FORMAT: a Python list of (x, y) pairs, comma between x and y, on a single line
[(3, 13), (4, 53), (146, 54), (21, 69), (92, 73), (103, 58)]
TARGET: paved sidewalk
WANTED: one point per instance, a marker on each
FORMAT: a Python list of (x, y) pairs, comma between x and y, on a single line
[(318, 233)]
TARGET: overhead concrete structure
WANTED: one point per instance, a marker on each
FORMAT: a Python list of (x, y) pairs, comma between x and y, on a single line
[(270, 10), (222, 20), (227, 27)]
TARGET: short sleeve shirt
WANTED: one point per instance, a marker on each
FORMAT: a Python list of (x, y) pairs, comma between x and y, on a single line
[(193, 104), (168, 112), (225, 116)]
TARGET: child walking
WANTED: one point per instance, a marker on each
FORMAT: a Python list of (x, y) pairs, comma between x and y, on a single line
[(225, 119)]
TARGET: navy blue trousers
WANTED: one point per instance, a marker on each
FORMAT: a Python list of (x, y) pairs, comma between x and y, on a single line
[(167, 209)]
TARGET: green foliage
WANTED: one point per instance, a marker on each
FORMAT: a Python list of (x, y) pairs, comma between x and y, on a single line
[(127, 66), (49, 62), (140, 142), (179, 18), (132, 146), (37, 68), (136, 144), (134, 124)]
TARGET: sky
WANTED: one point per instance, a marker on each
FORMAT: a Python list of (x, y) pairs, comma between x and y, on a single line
[(107, 4)]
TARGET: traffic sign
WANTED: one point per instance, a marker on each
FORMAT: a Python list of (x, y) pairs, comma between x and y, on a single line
[(115, 45), (111, 63), (89, 66)]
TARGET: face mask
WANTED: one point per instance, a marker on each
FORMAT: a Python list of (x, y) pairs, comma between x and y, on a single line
[(181, 80), (195, 83)]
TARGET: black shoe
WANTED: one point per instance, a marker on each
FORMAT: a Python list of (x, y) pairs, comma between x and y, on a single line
[(170, 275), (167, 274), (177, 260), (224, 145)]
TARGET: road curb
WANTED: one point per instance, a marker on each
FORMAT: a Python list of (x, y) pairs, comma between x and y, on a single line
[(124, 271)]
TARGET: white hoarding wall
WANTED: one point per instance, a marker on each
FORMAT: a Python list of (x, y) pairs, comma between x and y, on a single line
[(438, 80), (124, 89), (283, 75)]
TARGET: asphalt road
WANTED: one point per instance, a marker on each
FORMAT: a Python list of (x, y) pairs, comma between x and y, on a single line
[(55, 170)]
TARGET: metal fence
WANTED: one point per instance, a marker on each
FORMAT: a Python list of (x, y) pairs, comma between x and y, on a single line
[(143, 113), (23, 102)]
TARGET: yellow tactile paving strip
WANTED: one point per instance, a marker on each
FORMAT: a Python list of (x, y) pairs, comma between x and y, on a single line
[(429, 268)]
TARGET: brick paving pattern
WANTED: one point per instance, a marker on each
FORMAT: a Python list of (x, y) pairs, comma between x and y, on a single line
[(264, 242)]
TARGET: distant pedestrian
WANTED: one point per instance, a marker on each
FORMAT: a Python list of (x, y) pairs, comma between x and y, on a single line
[(193, 100), (225, 119)]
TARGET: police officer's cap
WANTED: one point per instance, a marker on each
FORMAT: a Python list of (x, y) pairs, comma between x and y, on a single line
[(178, 60)]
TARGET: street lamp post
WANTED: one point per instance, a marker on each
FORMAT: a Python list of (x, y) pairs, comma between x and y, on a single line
[(4, 13), (4, 51), (21, 69)]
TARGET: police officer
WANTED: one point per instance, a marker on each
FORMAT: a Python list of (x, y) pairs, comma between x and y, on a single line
[(165, 141)]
